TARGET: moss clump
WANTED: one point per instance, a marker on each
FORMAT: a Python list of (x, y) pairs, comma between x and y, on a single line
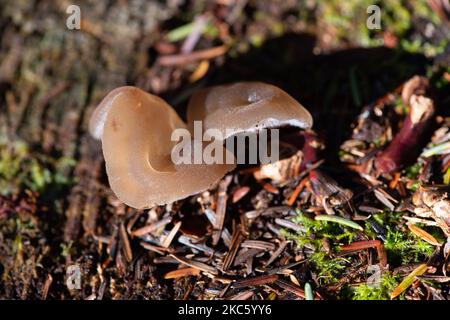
[(20, 168), (380, 291), (327, 267), (405, 247)]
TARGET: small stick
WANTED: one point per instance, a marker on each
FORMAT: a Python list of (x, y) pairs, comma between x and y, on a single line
[(361, 245)]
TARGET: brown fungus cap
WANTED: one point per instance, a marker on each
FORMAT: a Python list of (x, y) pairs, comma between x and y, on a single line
[(246, 107), (135, 129)]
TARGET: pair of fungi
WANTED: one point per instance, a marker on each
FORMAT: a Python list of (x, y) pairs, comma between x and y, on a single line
[(135, 128)]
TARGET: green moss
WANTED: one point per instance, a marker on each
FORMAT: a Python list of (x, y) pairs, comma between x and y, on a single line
[(20, 168), (316, 230), (348, 20), (406, 248), (328, 268), (382, 291), (412, 172)]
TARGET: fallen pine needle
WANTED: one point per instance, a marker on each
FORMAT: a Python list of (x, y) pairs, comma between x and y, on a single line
[(179, 273), (308, 292), (409, 280), (296, 192), (240, 193), (180, 59), (393, 184), (424, 235), (361, 245), (339, 220), (200, 71), (256, 281)]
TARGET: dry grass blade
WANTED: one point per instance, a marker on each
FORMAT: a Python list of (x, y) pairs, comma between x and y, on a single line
[(198, 246), (424, 235), (409, 280), (200, 71)]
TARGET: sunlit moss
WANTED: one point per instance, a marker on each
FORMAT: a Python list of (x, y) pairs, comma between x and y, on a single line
[(405, 247), (20, 168), (327, 267), (380, 291)]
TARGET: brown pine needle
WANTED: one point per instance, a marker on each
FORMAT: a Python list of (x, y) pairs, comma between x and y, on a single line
[(424, 235), (179, 273), (240, 193), (394, 182), (200, 71), (296, 192), (181, 59), (361, 245)]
